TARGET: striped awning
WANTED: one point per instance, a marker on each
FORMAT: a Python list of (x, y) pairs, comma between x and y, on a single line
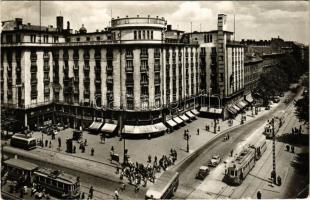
[(236, 108), (232, 110), (171, 123), (249, 98), (184, 118), (109, 128), (95, 126), (178, 120), (195, 112), (190, 115), (154, 128)]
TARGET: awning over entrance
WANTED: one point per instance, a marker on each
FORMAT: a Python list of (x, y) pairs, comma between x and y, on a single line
[(211, 110), (171, 123), (178, 120), (231, 110), (236, 108), (95, 126), (184, 118), (195, 112), (154, 128), (190, 115), (249, 98), (109, 128)]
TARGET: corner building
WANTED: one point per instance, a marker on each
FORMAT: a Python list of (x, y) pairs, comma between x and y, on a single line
[(128, 73)]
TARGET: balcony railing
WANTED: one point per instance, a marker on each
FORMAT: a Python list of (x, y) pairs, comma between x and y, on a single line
[(110, 81), (144, 69), (109, 68), (46, 68), (86, 79), (34, 81), (98, 80), (143, 55), (46, 79), (46, 91), (129, 69), (129, 56), (86, 92), (46, 56), (144, 82), (33, 69), (129, 82), (157, 96), (86, 67), (157, 81), (156, 55)]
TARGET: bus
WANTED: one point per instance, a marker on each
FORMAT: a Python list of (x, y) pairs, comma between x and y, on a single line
[(164, 187), (259, 147), (23, 141), (240, 166), (58, 183)]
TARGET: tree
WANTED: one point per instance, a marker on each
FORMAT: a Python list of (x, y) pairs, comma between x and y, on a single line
[(302, 105)]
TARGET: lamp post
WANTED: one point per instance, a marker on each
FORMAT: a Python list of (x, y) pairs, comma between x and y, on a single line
[(273, 173), (210, 89), (187, 137)]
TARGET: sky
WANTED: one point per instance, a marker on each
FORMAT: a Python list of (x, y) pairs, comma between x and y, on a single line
[(253, 19)]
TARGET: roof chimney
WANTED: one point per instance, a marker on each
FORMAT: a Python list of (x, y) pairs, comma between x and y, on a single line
[(68, 25), (60, 22)]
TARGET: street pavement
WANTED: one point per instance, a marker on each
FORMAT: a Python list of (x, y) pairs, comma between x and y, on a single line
[(259, 178)]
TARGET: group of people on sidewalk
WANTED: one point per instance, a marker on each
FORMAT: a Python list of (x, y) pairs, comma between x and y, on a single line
[(138, 174)]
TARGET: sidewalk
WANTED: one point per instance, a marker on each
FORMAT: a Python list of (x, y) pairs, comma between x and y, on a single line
[(139, 150)]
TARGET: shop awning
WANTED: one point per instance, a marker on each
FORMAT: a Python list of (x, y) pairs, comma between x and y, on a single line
[(190, 115), (236, 108), (178, 120), (249, 98), (211, 110), (204, 109), (155, 128), (240, 104), (195, 112), (95, 126), (109, 128), (184, 118), (160, 127), (232, 110), (171, 123)]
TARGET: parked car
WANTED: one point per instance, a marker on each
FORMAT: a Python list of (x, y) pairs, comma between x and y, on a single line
[(276, 99), (203, 172), (267, 108), (215, 160), (282, 94)]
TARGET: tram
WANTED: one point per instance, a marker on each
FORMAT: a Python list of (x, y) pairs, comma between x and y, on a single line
[(240, 166), (55, 182), (279, 120), (23, 141), (260, 147)]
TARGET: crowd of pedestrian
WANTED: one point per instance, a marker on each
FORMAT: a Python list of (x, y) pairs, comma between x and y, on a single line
[(138, 174)]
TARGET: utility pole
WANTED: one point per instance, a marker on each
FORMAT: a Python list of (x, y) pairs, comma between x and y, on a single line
[(187, 137), (273, 173), (214, 125)]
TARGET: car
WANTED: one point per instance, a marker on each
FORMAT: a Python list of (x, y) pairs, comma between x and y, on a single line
[(203, 172), (276, 99), (267, 108), (215, 160), (282, 94)]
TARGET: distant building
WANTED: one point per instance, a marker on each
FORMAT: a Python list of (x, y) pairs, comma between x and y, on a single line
[(253, 68)]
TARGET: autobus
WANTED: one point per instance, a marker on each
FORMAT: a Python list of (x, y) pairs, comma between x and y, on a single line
[(23, 141), (259, 147), (58, 183), (164, 187), (240, 166)]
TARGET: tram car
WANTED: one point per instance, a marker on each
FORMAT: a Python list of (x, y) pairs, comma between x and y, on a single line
[(279, 120), (55, 182), (260, 147), (240, 166)]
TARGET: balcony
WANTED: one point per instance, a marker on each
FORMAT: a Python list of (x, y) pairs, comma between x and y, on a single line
[(110, 57), (76, 90), (144, 97), (97, 80), (46, 56), (157, 81), (75, 67), (109, 68), (157, 96), (10, 80), (97, 56), (18, 81), (86, 56), (66, 80), (144, 55), (33, 57), (46, 79), (156, 55), (144, 82), (129, 69), (110, 80), (144, 69), (46, 91), (46, 68), (130, 96), (76, 79), (34, 81), (129, 56), (75, 57)]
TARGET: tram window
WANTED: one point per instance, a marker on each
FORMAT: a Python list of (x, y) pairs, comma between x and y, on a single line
[(43, 179), (48, 181), (232, 173), (60, 185), (54, 183), (66, 187)]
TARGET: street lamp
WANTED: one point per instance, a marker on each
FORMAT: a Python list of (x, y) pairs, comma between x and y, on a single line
[(273, 173), (210, 89), (187, 137)]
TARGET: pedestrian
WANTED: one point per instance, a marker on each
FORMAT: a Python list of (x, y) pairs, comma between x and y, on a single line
[(85, 142), (137, 188), (91, 192), (74, 149), (59, 142), (123, 186), (292, 148), (279, 181), (50, 144), (287, 148), (117, 169), (112, 149), (83, 196), (116, 194), (197, 131), (149, 159), (46, 143), (259, 195), (92, 151), (231, 153)]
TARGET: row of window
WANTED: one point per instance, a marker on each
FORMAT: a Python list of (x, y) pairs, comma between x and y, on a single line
[(143, 35)]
